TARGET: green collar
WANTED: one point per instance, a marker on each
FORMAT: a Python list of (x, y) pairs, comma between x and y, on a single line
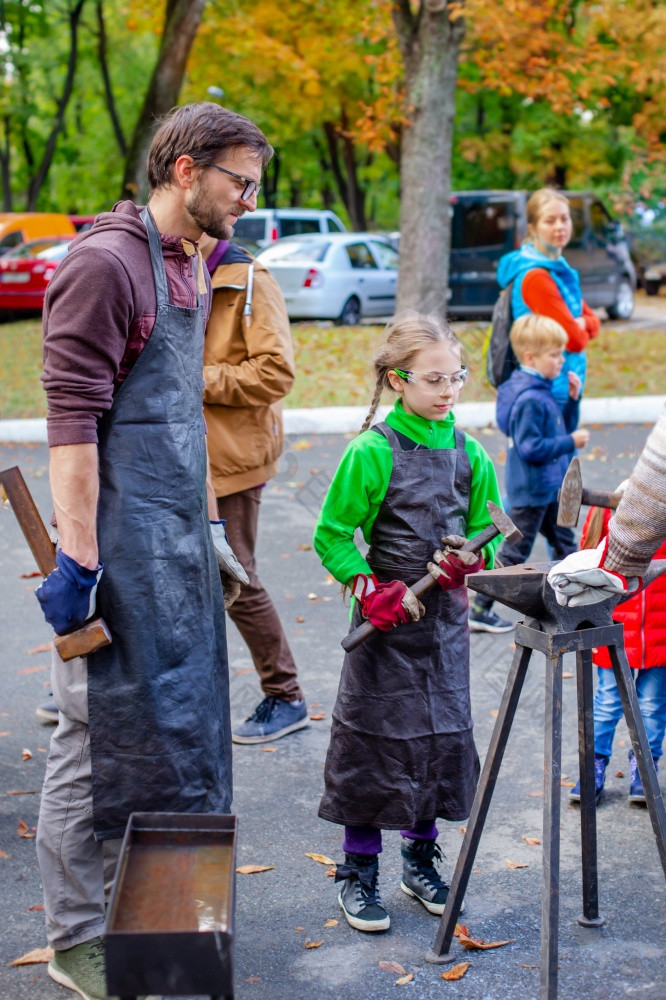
[(433, 433)]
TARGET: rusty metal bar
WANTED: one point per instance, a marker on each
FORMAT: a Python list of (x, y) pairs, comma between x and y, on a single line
[(440, 953), (552, 792), (588, 805)]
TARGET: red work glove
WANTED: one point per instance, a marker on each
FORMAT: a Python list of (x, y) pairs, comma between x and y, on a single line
[(453, 564), (386, 605)]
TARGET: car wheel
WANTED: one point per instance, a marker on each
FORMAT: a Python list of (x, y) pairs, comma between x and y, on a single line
[(623, 306), (351, 312), (652, 286)]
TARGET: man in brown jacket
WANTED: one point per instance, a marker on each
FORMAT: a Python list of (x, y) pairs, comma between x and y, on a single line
[(248, 369)]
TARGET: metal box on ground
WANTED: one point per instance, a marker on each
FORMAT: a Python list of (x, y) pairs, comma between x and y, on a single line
[(170, 922)]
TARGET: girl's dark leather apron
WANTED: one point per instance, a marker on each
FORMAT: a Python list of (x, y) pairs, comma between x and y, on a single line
[(401, 747), (158, 696)]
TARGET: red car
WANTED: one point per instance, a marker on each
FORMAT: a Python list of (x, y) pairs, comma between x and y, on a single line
[(26, 271)]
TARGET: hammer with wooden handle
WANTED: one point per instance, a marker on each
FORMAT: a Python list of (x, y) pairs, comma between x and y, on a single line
[(95, 633), (572, 496), (502, 525)]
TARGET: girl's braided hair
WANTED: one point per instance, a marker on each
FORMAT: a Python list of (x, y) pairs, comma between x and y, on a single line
[(405, 335)]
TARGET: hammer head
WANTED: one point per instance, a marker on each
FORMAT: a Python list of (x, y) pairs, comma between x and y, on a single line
[(570, 496), (503, 523)]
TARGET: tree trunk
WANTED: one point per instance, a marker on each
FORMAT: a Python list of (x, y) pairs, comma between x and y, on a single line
[(36, 181), (106, 79), (347, 182), (5, 161), (181, 23), (429, 42)]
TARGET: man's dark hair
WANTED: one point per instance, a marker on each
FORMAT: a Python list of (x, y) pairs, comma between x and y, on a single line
[(203, 131)]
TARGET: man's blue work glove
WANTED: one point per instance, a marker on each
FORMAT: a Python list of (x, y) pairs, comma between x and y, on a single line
[(67, 595), (231, 570)]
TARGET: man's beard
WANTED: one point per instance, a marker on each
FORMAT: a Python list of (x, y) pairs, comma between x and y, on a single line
[(206, 213)]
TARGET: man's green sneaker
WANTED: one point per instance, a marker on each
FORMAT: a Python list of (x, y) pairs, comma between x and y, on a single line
[(83, 970)]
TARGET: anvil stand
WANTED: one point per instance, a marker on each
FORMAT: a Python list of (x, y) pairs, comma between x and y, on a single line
[(554, 631)]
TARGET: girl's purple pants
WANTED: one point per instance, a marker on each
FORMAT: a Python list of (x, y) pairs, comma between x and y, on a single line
[(368, 839)]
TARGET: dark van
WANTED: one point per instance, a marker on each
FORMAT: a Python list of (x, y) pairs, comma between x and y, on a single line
[(487, 224)]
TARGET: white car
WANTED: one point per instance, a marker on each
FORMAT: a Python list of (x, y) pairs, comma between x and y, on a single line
[(258, 229), (339, 276)]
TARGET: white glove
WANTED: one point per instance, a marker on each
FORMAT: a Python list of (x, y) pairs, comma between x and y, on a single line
[(231, 570), (580, 579)]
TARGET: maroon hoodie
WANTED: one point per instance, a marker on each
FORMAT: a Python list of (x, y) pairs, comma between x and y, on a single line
[(98, 315)]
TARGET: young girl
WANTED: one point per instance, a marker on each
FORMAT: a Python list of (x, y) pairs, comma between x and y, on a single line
[(402, 751), (644, 619)]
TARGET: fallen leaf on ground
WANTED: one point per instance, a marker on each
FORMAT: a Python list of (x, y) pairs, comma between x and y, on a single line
[(456, 971), (3, 854), (531, 840), (35, 909), (28, 576), (44, 648), (619, 774), (392, 967), (566, 675), (321, 858), (299, 619), (5, 733), (533, 795), (254, 869), (331, 873), (302, 445), (494, 712), (463, 829), (33, 670), (268, 750), (24, 830), (313, 944), (567, 784), (404, 979), (34, 956), (331, 923), (531, 967), (517, 864), (312, 597), (478, 944), (305, 548), (26, 754), (22, 791), (253, 979), (460, 929), (318, 716)]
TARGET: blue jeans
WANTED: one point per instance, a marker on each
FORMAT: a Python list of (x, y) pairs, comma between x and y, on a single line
[(651, 692)]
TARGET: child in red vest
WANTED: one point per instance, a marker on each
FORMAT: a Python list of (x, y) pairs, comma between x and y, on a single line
[(644, 620)]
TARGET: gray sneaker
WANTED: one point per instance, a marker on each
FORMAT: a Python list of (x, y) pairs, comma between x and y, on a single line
[(271, 719), (48, 712), (359, 897), (82, 969), (420, 878)]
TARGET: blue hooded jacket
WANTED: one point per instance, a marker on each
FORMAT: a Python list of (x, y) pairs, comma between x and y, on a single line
[(513, 267), (540, 441)]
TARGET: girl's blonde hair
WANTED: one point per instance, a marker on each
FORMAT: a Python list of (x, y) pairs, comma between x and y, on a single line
[(537, 334), (595, 526), (538, 201), (405, 335)]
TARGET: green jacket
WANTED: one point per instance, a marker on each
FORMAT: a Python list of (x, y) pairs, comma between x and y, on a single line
[(360, 483)]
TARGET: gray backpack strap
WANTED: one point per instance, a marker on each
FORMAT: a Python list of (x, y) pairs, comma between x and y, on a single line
[(247, 308)]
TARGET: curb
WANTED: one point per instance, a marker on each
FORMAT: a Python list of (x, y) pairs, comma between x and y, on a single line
[(348, 419)]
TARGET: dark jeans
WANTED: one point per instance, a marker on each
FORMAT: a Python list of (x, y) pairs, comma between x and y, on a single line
[(253, 613), (532, 521)]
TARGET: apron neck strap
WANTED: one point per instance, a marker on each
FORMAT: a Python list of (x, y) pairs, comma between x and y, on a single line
[(156, 258)]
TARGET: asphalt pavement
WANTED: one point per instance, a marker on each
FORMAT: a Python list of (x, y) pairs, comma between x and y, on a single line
[(278, 786)]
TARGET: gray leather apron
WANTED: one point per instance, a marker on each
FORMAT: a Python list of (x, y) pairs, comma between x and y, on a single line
[(158, 697), (401, 747)]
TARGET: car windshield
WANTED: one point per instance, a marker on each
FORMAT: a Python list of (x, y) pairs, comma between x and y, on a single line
[(295, 251), (56, 252), (37, 248)]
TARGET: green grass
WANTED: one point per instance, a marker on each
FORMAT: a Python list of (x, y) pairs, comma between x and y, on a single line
[(333, 365)]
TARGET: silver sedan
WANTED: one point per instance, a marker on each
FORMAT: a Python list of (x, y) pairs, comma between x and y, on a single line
[(339, 276)]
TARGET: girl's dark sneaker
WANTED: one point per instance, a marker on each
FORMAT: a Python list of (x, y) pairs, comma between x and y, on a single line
[(600, 765), (359, 894), (420, 878), (636, 792)]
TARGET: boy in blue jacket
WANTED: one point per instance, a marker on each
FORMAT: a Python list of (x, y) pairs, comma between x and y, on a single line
[(542, 440)]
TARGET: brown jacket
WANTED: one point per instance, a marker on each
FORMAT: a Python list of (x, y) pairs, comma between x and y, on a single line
[(248, 369)]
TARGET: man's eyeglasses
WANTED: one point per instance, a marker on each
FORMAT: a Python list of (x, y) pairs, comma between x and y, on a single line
[(250, 187), (435, 381)]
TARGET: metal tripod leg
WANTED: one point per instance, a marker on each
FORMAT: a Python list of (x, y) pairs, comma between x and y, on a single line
[(588, 805), (646, 768), (552, 793), (514, 684)]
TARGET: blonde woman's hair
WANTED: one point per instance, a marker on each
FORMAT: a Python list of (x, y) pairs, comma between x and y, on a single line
[(538, 201), (536, 334), (405, 335)]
